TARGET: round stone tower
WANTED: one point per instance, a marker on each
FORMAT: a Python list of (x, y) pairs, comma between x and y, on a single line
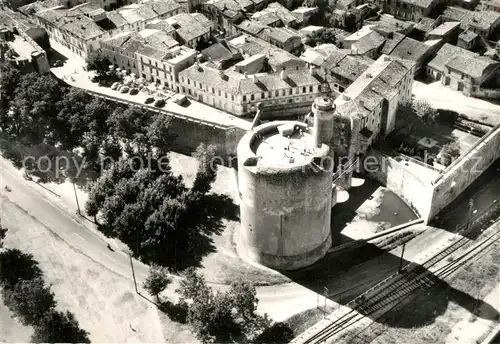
[(285, 186)]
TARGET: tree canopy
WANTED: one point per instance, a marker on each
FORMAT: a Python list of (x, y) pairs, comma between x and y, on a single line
[(424, 111), (326, 36), (222, 317), (98, 62), (157, 280), (59, 327)]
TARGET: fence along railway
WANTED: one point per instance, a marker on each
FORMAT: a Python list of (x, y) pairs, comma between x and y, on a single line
[(390, 293)]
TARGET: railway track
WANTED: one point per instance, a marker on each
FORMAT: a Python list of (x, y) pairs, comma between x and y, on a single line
[(389, 293)]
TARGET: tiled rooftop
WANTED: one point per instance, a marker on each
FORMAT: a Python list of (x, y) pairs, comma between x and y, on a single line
[(446, 53), (479, 19), (251, 46), (236, 83), (188, 27), (374, 84), (419, 3), (472, 66), (425, 24), (468, 35), (74, 22), (372, 40), (444, 28), (410, 49)]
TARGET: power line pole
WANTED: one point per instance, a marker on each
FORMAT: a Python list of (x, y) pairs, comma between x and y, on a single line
[(400, 270), (76, 198), (325, 291), (469, 216)]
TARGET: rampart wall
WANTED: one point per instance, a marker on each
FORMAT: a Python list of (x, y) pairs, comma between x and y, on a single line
[(429, 198), (190, 132)]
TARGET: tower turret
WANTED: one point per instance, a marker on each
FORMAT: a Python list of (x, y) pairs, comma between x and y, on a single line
[(323, 110)]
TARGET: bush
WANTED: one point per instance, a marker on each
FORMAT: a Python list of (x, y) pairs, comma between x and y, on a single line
[(278, 333), (133, 91), (30, 300), (175, 311), (149, 100), (59, 327), (16, 266)]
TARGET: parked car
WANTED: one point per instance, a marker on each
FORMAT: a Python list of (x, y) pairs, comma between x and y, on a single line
[(179, 99), (159, 103), (149, 100), (58, 63), (124, 89), (115, 86), (133, 91)]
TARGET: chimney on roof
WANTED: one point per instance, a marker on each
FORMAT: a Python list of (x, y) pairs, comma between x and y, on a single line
[(387, 58), (311, 70), (254, 78), (361, 103), (369, 75), (221, 73), (345, 97), (283, 75), (246, 75)]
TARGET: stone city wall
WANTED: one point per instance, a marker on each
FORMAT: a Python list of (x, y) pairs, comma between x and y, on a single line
[(429, 198), (465, 170), (190, 132), (400, 180)]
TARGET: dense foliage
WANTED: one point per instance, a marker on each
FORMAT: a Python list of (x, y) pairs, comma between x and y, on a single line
[(26, 295), (221, 317), (154, 213), (98, 62), (157, 280)]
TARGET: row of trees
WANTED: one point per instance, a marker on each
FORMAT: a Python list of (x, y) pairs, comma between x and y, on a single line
[(40, 110), (24, 292), (218, 317)]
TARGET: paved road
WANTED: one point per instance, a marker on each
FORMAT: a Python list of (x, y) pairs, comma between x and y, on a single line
[(29, 196)]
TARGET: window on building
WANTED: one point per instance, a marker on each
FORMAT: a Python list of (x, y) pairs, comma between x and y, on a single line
[(201, 87), (303, 90), (189, 82), (232, 97), (189, 91), (262, 95), (219, 92), (290, 91), (244, 98), (225, 95), (276, 94), (290, 100), (252, 97), (283, 92)]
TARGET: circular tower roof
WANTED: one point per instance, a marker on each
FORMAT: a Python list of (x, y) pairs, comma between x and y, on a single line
[(323, 104)]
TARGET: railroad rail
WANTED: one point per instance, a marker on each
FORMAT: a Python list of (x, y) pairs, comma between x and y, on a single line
[(399, 286)]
